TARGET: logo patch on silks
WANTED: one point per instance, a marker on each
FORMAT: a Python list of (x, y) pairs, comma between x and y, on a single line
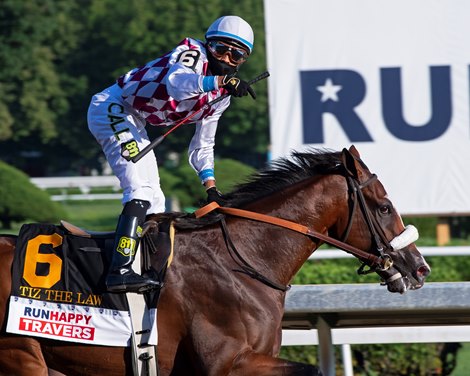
[(129, 149), (126, 246), (58, 289)]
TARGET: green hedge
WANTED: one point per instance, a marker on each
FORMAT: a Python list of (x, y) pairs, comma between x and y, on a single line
[(21, 200)]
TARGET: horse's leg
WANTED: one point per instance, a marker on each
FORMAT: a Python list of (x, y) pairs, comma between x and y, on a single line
[(251, 363), (7, 249), (21, 356), (170, 334)]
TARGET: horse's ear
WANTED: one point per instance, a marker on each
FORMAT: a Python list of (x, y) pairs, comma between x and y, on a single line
[(350, 162), (354, 151)]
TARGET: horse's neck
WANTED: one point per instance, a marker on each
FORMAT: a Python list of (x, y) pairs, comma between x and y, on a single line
[(282, 251)]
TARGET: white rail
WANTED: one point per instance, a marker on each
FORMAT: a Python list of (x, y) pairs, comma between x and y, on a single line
[(83, 183), (76, 182)]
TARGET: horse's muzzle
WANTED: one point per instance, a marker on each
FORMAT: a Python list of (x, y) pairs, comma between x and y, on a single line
[(396, 282), (421, 273)]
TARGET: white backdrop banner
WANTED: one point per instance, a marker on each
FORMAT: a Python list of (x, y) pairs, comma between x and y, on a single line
[(390, 77)]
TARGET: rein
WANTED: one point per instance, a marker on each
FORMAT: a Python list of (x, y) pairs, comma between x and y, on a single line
[(381, 262), (373, 259), (245, 267)]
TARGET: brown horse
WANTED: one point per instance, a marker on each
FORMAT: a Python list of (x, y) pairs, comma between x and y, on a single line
[(222, 303)]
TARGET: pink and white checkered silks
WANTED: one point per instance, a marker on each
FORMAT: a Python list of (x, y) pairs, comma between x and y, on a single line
[(160, 93), (163, 93)]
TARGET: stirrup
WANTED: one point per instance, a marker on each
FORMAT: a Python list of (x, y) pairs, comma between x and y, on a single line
[(130, 282), (132, 288)]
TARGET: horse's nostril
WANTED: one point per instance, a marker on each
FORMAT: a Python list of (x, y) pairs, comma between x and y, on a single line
[(423, 271)]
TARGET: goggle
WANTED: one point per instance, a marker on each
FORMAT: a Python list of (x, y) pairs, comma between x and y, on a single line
[(219, 49)]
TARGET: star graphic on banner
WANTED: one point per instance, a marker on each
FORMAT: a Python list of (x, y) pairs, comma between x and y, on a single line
[(329, 90)]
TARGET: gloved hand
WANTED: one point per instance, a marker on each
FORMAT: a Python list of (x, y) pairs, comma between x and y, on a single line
[(213, 194), (237, 87)]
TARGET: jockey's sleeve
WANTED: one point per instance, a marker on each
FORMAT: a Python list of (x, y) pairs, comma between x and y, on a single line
[(201, 148), (185, 78), (183, 83)]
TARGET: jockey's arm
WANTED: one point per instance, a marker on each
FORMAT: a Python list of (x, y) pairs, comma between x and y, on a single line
[(201, 148)]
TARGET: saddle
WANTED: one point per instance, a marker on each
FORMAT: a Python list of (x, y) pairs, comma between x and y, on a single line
[(58, 288), (156, 241)]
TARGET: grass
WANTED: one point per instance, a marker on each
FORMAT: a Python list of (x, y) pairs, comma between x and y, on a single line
[(463, 361), (99, 215), (93, 215)]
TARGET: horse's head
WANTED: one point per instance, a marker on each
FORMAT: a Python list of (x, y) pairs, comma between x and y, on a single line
[(374, 225)]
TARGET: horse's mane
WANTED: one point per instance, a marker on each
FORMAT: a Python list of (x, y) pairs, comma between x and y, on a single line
[(275, 177)]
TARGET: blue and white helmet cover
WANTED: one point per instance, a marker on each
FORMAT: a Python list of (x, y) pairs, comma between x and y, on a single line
[(232, 27)]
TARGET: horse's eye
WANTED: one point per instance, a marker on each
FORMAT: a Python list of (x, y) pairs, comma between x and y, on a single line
[(385, 209)]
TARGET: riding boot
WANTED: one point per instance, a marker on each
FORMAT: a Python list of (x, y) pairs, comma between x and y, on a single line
[(121, 277)]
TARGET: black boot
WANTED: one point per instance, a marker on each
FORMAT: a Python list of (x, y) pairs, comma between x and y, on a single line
[(121, 277)]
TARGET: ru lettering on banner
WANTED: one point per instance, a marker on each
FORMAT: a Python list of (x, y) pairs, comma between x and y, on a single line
[(346, 74)]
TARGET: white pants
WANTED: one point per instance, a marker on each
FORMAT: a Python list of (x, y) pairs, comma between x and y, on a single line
[(113, 123)]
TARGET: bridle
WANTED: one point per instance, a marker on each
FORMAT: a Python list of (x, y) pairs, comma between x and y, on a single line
[(379, 240), (380, 262)]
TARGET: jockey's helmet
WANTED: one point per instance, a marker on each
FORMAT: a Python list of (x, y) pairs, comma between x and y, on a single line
[(228, 36)]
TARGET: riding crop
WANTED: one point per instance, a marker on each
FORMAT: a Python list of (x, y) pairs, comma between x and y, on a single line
[(160, 139)]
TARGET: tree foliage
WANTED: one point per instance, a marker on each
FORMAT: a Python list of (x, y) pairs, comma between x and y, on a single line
[(56, 54), (183, 184), (37, 36)]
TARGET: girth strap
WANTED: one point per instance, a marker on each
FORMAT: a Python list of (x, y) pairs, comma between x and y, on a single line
[(373, 259)]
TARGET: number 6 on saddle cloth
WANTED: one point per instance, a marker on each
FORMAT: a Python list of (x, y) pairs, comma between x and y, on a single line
[(58, 288)]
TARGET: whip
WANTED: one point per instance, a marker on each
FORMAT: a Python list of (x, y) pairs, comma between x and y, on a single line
[(160, 139)]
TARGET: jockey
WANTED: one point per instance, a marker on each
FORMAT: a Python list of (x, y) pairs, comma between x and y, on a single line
[(162, 93)]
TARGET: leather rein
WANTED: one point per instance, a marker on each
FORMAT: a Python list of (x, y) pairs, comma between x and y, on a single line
[(374, 262)]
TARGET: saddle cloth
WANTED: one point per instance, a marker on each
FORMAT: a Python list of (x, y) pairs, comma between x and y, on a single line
[(58, 289)]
